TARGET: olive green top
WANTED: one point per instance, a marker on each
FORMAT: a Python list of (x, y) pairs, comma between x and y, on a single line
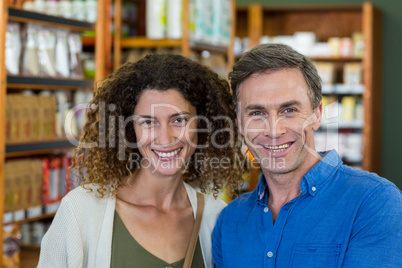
[(127, 252)]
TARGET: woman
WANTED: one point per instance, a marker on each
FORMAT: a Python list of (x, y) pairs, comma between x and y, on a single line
[(152, 125)]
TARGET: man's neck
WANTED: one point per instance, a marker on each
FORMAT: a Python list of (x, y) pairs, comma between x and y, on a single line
[(286, 186)]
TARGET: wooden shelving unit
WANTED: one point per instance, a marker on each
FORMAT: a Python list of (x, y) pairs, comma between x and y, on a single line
[(38, 148), (327, 21), (9, 13), (184, 43)]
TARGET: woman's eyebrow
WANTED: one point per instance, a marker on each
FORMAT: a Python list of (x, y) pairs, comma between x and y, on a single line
[(181, 113)]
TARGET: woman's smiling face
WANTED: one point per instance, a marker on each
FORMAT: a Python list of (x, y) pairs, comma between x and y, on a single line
[(165, 126)]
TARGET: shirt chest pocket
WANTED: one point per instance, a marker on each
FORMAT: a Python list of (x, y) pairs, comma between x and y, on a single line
[(314, 255)]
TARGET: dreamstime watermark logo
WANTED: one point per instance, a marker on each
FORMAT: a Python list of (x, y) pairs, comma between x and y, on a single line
[(109, 131)]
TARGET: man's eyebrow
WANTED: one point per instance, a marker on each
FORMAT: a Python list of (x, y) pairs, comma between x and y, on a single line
[(281, 106), (290, 103), (143, 116), (254, 107)]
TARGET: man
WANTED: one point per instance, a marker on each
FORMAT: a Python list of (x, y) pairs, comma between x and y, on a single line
[(308, 209)]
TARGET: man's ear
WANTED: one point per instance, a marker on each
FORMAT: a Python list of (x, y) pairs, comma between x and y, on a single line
[(318, 114), (239, 125)]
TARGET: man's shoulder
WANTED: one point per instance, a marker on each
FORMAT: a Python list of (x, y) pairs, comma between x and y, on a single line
[(363, 183), (362, 178)]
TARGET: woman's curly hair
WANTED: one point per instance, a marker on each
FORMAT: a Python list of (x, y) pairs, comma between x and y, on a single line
[(117, 97)]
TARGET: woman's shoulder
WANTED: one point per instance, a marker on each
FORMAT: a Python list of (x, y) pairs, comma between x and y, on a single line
[(85, 197), (214, 204)]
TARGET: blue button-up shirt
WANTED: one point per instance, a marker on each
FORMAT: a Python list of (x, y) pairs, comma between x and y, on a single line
[(342, 218)]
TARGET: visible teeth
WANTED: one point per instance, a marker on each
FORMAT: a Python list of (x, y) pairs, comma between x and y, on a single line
[(277, 148), (170, 154)]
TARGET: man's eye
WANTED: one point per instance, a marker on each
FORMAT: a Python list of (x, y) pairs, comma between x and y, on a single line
[(256, 113), (289, 110)]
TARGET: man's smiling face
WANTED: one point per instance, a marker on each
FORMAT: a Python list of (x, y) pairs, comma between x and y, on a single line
[(277, 120)]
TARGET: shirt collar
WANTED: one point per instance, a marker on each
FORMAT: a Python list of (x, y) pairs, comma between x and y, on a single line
[(313, 180), (320, 173)]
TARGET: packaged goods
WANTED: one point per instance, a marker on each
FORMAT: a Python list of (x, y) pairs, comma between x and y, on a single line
[(226, 22), (358, 44), (16, 177), (352, 73), (40, 6), (38, 230), (61, 112), (8, 120), (15, 117), (346, 47), (13, 48), (174, 18), (88, 63), (78, 9), (335, 47), (304, 42), (46, 52), (48, 110), (75, 60), (348, 108), (25, 233), (326, 71), (61, 50), (91, 10), (37, 119), (208, 17), (8, 188), (11, 246), (64, 175), (52, 7), (30, 62), (33, 111), (26, 128), (156, 19), (196, 21), (65, 9), (81, 100), (37, 182)]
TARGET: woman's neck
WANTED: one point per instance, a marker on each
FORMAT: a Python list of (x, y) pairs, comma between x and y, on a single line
[(145, 188)]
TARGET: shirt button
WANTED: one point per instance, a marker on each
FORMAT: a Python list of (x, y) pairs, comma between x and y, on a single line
[(266, 209), (270, 254), (313, 189)]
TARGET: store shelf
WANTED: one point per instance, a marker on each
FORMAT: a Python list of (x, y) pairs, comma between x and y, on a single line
[(342, 89), (335, 59), (353, 124), (38, 148), (210, 48), (47, 83), (19, 15), (143, 42), (31, 214), (41, 217)]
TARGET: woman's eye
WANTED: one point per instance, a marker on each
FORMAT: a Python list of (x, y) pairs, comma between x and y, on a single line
[(147, 123), (180, 120)]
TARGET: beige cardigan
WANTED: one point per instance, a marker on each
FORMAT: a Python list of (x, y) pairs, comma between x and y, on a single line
[(81, 232)]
